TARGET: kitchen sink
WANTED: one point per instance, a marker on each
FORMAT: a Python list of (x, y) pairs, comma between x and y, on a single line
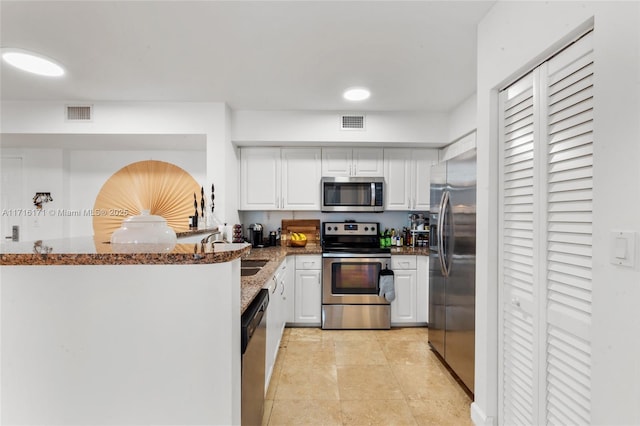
[(247, 272), (250, 267), (253, 263)]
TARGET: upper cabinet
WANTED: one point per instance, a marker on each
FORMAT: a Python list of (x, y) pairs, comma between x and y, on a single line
[(352, 161), (280, 178), (407, 177), (301, 178), (260, 178)]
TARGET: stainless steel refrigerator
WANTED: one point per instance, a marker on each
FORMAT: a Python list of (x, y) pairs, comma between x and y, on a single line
[(452, 264)]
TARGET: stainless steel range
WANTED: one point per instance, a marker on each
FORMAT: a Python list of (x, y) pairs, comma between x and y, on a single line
[(351, 263)]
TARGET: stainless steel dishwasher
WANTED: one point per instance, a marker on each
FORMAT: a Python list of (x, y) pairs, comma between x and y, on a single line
[(254, 337)]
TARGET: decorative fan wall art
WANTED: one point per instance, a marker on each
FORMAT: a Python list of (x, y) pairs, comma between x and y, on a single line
[(163, 188)]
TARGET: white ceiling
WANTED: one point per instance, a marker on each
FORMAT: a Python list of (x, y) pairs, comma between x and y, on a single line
[(286, 55)]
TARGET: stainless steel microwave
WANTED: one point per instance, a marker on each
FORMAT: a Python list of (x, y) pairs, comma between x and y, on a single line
[(352, 194)]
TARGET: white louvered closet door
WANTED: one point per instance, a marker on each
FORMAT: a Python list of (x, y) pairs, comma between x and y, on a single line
[(545, 242), (518, 291)]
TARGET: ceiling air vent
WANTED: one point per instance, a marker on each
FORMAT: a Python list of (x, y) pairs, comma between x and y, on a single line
[(79, 113), (352, 122)]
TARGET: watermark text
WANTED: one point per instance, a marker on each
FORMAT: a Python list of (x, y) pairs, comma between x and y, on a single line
[(64, 212)]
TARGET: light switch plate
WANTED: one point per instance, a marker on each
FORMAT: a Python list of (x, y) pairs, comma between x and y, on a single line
[(622, 248)]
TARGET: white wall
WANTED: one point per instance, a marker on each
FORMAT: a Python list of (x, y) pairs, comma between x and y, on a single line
[(209, 119), (463, 119), (409, 128), (512, 38), (42, 171)]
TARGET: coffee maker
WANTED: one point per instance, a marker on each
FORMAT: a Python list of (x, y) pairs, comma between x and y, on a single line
[(256, 236)]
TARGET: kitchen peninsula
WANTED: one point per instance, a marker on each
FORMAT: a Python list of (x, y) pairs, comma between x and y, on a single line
[(95, 337)]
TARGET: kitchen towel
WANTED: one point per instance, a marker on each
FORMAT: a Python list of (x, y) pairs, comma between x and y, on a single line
[(386, 284)]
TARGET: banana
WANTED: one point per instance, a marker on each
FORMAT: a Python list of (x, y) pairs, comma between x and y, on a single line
[(295, 236)]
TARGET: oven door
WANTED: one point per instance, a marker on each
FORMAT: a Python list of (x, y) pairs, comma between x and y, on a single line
[(349, 278)]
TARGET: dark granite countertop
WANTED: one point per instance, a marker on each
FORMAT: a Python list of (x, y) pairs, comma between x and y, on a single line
[(405, 250), (88, 251)]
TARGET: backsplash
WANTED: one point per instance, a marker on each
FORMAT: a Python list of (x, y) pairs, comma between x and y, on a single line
[(271, 220)]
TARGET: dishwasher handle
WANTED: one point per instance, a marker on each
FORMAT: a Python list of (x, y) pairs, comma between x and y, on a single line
[(252, 317), (255, 321)]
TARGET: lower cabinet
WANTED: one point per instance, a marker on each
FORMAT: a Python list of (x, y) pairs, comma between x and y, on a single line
[(403, 308), (277, 313), (411, 279), (308, 290)]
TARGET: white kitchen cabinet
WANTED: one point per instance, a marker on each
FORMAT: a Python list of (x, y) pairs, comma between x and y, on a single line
[(407, 176), (280, 178), (308, 290), (276, 317), (403, 307), (352, 161), (260, 178), (301, 174), (411, 278), (397, 176)]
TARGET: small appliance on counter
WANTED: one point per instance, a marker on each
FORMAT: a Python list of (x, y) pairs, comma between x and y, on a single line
[(273, 239), (256, 237)]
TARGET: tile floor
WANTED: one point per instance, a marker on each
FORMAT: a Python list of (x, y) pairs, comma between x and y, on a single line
[(369, 377)]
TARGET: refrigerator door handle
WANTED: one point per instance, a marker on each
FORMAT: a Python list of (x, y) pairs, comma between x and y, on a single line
[(443, 202), (447, 255)]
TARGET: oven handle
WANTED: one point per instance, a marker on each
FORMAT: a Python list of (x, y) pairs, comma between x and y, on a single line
[(358, 255)]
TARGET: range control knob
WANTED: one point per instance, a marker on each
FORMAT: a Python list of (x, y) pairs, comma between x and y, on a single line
[(366, 228), (373, 229), (335, 228)]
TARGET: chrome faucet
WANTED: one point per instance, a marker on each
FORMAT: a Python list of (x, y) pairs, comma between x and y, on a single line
[(207, 239)]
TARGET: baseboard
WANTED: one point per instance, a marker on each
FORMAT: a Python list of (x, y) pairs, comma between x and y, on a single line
[(479, 417)]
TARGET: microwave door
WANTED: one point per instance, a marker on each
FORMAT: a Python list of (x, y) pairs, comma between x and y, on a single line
[(352, 194)]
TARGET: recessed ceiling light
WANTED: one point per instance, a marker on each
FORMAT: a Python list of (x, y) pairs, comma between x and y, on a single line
[(356, 94), (32, 62)]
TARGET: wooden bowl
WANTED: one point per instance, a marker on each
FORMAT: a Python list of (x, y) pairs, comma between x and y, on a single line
[(297, 243)]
